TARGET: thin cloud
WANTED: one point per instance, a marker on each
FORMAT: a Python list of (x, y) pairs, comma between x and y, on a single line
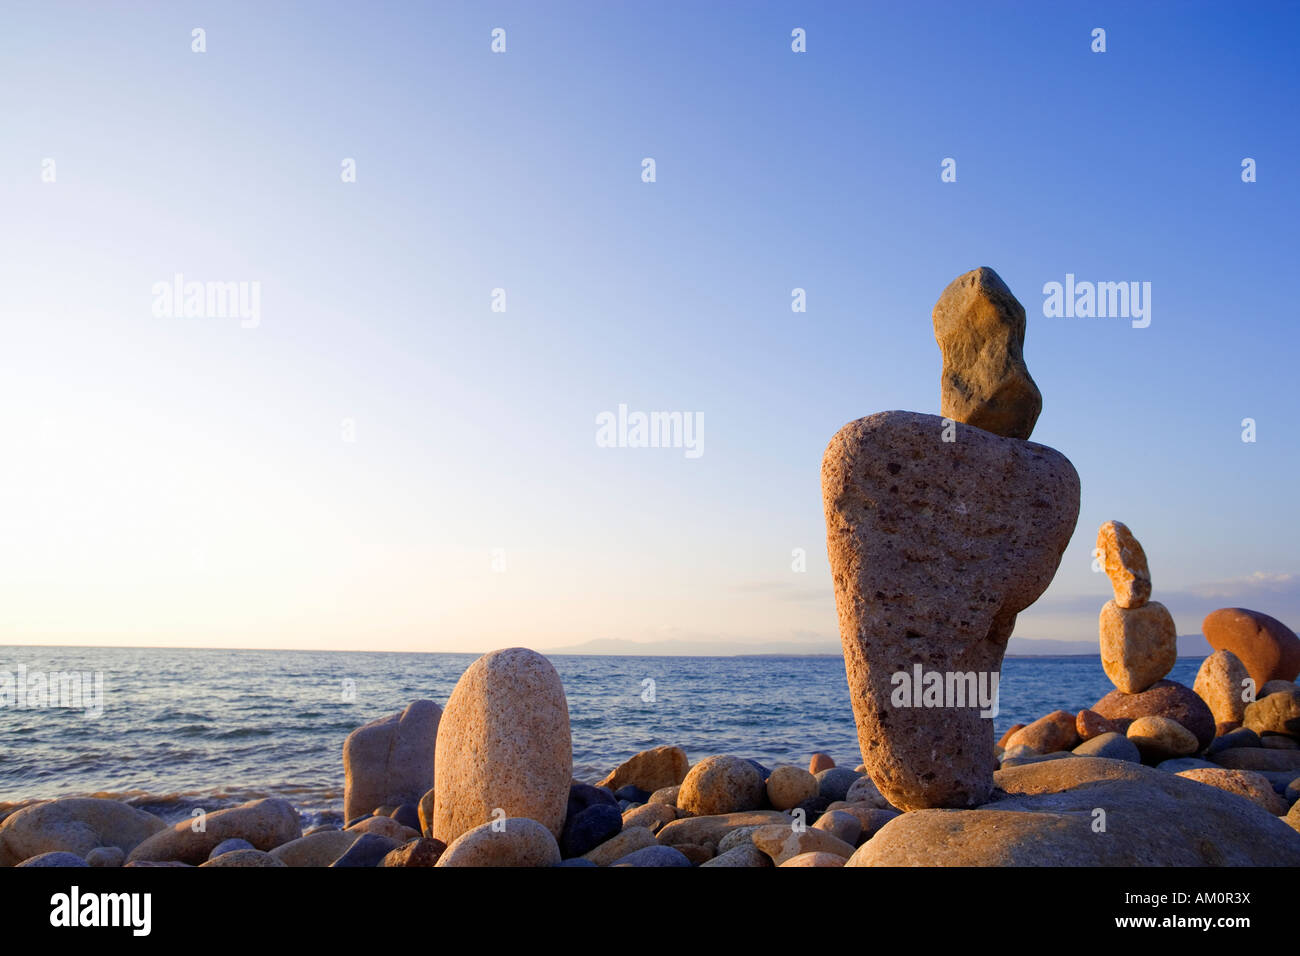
[(1274, 593), (786, 591)]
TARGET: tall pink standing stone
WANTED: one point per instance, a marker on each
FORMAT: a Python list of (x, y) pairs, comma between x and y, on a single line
[(939, 533), (935, 547)]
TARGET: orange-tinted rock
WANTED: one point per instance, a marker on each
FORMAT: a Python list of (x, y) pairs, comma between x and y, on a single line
[(520, 841), (782, 843), (721, 784), (650, 770), (1159, 738), (816, 859), (1011, 732), (1125, 563), (1048, 734), (652, 816), (1044, 815), (1139, 645), (787, 787), (1250, 784), (76, 825), (712, 829), (265, 823), (1089, 724), (980, 328), (1274, 714), (1165, 698), (385, 826), (819, 762), (666, 795), (1269, 649)]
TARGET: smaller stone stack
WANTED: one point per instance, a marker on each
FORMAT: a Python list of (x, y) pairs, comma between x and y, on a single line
[(1139, 646), (1139, 642)]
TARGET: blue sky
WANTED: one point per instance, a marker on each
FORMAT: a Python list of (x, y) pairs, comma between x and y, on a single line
[(187, 480)]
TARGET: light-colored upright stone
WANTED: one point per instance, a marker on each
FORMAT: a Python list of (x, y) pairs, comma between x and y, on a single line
[(1221, 683), (503, 745), (390, 761)]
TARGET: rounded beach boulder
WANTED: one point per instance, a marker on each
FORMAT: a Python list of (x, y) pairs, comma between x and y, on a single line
[(782, 843), (1269, 649), (721, 784), (1159, 738), (503, 747), (265, 823), (316, 849), (788, 786), (589, 828), (1275, 714), (835, 783), (74, 825), (517, 841), (1249, 784), (629, 840), (820, 761), (1045, 815)]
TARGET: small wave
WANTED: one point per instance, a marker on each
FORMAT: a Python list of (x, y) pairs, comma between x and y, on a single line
[(170, 714)]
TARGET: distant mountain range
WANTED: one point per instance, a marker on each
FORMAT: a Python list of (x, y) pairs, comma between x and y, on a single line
[(1189, 645)]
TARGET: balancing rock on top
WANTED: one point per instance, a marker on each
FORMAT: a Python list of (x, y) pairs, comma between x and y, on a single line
[(980, 328), (1125, 563)]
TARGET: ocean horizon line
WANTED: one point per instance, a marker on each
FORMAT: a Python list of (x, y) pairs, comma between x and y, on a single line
[(548, 653)]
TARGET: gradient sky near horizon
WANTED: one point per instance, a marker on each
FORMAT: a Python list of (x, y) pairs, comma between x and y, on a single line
[(184, 481)]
